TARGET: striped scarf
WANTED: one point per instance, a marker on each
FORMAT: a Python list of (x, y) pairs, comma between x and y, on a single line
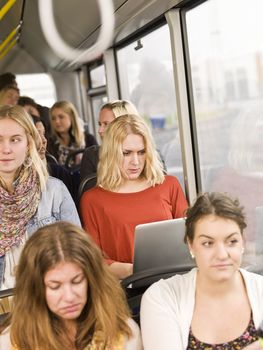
[(17, 208)]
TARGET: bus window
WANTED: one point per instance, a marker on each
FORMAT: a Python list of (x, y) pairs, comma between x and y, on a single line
[(97, 94), (40, 87), (97, 76), (96, 103), (226, 64), (146, 78)]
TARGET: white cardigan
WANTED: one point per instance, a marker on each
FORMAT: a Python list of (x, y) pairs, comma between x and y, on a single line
[(167, 309)]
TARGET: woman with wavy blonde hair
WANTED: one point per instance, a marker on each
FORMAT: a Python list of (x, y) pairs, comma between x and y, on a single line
[(28, 197), (68, 131), (74, 300), (111, 155), (18, 115), (131, 189)]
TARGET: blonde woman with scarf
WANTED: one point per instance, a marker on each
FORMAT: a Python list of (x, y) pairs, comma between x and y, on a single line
[(75, 302), (29, 198)]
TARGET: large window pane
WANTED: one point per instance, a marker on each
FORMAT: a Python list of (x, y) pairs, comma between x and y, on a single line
[(226, 58), (97, 76), (97, 79), (40, 87), (146, 78)]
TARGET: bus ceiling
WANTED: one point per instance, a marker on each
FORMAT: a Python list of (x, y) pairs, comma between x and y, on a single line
[(24, 47)]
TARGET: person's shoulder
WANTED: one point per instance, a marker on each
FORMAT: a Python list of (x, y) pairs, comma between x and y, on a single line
[(5, 343), (252, 277), (133, 326), (53, 181), (134, 342), (92, 193), (55, 185), (170, 179), (90, 139), (92, 149)]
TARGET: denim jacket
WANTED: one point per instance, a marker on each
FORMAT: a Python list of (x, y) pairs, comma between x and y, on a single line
[(56, 204)]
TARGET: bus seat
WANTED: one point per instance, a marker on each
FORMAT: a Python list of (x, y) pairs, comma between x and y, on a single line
[(86, 184), (51, 159)]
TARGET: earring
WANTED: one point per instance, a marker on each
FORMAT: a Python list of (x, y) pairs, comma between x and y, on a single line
[(192, 254), (27, 162)]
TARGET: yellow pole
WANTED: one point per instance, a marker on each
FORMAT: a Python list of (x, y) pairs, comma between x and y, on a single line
[(8, 48), (8, 38), (6, 8)]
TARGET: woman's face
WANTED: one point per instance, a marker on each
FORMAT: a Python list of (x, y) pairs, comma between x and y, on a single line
[(105, 118), (134, 157), (61, 121), (41, 130), (31, 110), (66, 290), (10, 97), (217, 247), (13, 147)]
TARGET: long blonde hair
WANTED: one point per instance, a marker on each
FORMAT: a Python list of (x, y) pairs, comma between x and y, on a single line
[(76, 129), (21, 117), (32, 324), (111, 155)]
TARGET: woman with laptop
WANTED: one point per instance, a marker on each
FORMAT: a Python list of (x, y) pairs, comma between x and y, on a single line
[(131, 189), (217, 305)]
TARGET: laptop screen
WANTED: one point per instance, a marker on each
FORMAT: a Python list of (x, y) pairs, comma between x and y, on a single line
[(160, 244)]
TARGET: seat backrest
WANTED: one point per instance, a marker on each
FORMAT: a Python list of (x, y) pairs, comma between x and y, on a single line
[(86, 184), (51, 159)]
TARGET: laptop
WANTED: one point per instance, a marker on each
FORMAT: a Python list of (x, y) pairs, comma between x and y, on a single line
[(161, 244)]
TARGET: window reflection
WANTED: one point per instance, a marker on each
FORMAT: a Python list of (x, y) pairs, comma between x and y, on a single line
[(226, 59), (146, 78)]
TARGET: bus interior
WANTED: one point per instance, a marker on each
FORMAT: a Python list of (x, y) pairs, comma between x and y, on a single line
[(194, 70)]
